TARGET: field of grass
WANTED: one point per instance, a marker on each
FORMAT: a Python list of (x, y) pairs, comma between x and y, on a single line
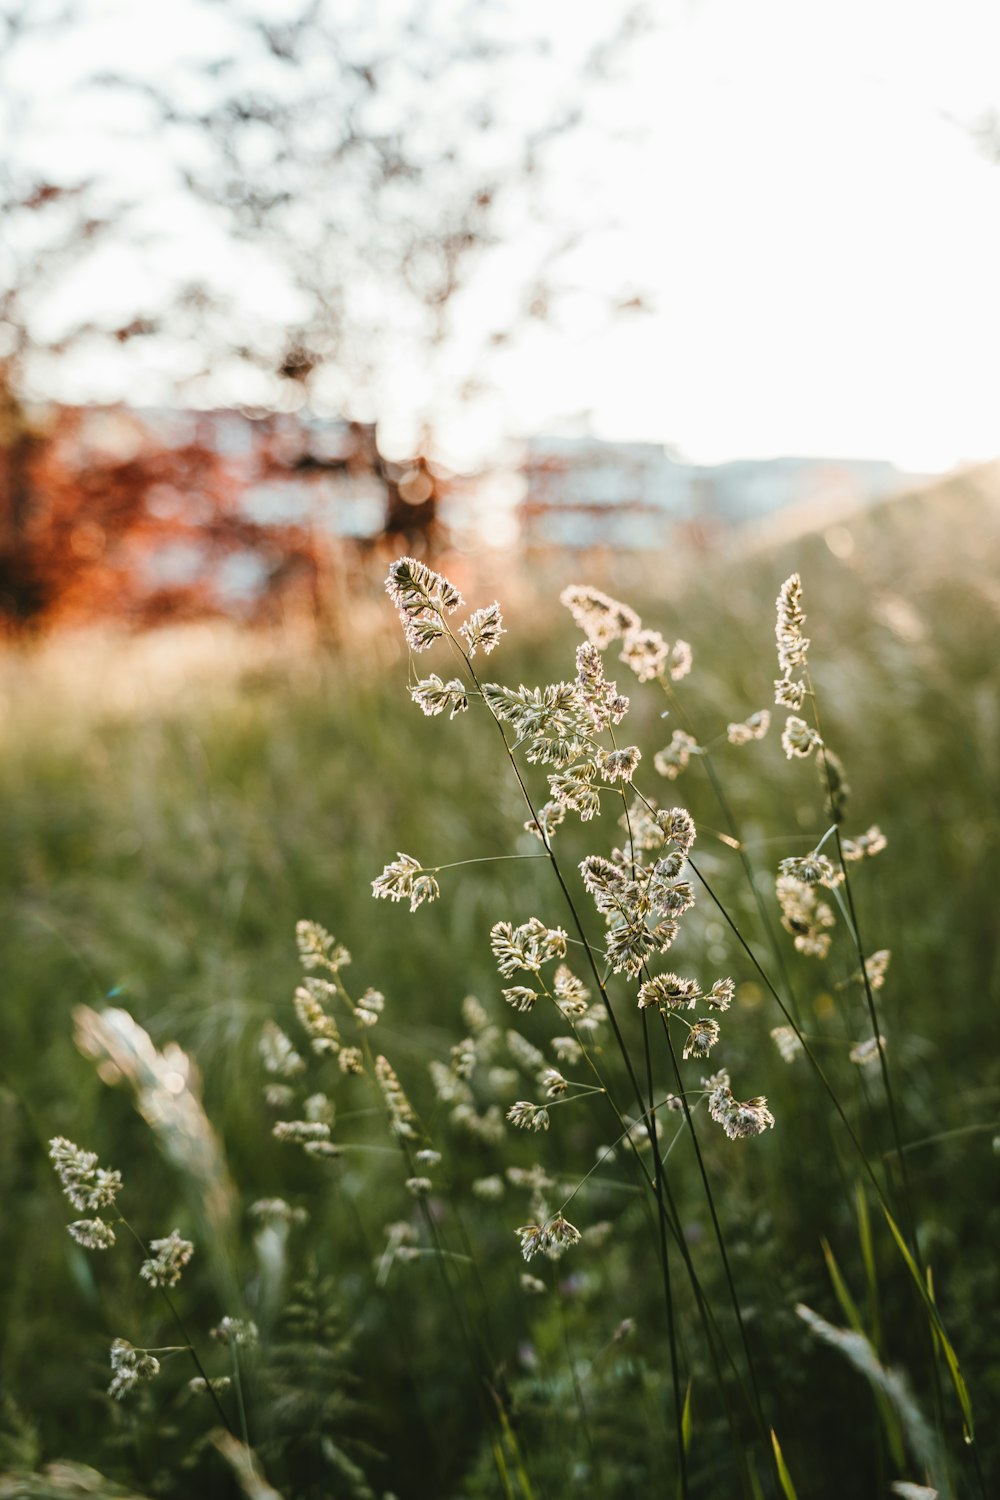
[(171, 807)]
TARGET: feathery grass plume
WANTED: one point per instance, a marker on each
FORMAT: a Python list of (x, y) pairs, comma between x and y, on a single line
[(799, 739), (422, 598), (803, 915), (318, 1108), (198, 1385), (550, 815), (669, 992), (240, 1332), (681, 660), (167, 1090), (474, 1014), (277, 1211), (400, 1110), (433, 695), (866, 845), (550, 1239), (524, 1115), (483, 629), (608, 883), (92, 1234), (629, 945), (788, 1044), (491, 1189), (526, 947), (606, 704), (866, 1053), (859, 1352), (811, 869), (738, 1120), (278, 1095), (792, 644), (277, 1052), (789, 693), (619, 765), (300, 1132), (520, 997), (318, 949), (129, 1367), (679, 827), (85, 1184), (876, 968), (753, 728), (553, 1082), (405, 879), (702, 1037), (720, 996), (674, 758), (320, 1027), (554, 722), (642, 822), (525, 1053), (168, 1260), (464, 1058), (573, 789), (369, 1007), (572, 995), (645, 651), (567, 1050), (601, 618), (351, 1061), (628, 895)]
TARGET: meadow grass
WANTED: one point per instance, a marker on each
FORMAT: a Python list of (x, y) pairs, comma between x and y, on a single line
[(172, 808)]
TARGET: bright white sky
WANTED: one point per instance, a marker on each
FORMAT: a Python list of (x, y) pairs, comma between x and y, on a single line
[(817, 232)]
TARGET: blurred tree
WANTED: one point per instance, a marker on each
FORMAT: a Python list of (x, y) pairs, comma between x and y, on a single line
[(99, 515), (128, 523), (396, 161), (373, 183)]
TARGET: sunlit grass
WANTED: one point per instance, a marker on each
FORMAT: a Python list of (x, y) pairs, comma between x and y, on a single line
[(170, 808)]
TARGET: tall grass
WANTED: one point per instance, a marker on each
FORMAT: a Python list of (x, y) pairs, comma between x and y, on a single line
[(160, 843)]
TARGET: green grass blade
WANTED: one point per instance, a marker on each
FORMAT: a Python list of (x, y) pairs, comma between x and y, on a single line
[(510, 1439), (501, 1464), (951, 1358), (868, 1257), (686, 1420), (849, 1307), (847, 1303), (787, 1487)]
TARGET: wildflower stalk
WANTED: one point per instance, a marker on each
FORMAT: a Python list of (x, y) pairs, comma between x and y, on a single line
[(658, 1182), (717, 1228), (476, 1347), (869, 996), (175, 1315), (807, 1049), (665, 1265), (883, 1064), (727, 812)]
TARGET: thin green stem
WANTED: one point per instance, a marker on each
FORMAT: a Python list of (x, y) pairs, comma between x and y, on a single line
[(665, 1269), (175, 1315)]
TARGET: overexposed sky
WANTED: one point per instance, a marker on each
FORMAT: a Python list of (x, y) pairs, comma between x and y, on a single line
[(794, 189)]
